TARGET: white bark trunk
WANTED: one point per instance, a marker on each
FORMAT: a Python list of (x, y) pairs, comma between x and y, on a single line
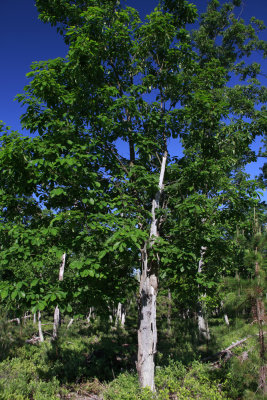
[(18, 319), (15, 320), (34, 318), (70, 323), (91, 314), (57, 316), (121, 314), (147, 330), (57, 322), (62, 267), (226, 319), (203, 326), (118, 314), (41, 336)]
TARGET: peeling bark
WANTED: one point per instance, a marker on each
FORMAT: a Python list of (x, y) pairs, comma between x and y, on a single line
[(57, 316), (147, 327), (41, 336), (203, 327)]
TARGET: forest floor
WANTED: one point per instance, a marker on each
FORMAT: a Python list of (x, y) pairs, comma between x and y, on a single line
[(97, 362)]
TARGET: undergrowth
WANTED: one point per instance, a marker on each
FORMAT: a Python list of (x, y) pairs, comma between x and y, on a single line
[(99, 359)]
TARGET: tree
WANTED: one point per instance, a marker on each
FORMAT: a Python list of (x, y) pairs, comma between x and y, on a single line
[(124, 81)]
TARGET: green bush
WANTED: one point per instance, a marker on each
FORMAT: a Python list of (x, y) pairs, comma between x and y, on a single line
[(19, 380), (173, 380), (194, 383), (126, 387)]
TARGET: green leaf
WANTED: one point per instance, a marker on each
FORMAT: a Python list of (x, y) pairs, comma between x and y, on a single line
[(53, 297), (69, 308), (4, 294), (14, 294), (57, 192), (34, 282), (41, 306)]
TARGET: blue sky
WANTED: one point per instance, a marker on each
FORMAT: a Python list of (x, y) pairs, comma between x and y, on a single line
[(24, 39)]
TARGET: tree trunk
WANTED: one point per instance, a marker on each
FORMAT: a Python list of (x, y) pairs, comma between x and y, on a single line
[(57, 322), (41, 336), (203, 327), (226, 319), (70, 323), (147, 328), (123, 315), (120, 314), (57, 316), (91, 314)]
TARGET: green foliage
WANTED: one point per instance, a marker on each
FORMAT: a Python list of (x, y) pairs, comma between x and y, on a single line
[(19, 380), (126, 387), (84, 352), (173, 380)]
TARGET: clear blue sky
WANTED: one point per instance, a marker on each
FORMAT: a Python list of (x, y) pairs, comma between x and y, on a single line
[(24, 39)]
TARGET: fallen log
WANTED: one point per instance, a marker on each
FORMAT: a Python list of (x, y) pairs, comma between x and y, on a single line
[(225, 354), (18, 319)]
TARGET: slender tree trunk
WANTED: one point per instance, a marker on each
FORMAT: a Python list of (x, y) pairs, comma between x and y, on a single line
[(120, 314), (123, 315), (226, 319), (57, 316), (41, 336), (147, 328), (70, 323), (57, 322), (34, 318), (91, 314), (203, 326)]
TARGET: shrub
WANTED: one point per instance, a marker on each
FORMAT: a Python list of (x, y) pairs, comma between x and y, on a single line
[(173, 381), (126, 387), (19, 380)]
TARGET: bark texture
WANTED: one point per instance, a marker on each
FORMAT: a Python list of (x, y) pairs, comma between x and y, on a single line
[(147, 327), (203, 327), (121, 314), (57, 316), (41, 336)]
